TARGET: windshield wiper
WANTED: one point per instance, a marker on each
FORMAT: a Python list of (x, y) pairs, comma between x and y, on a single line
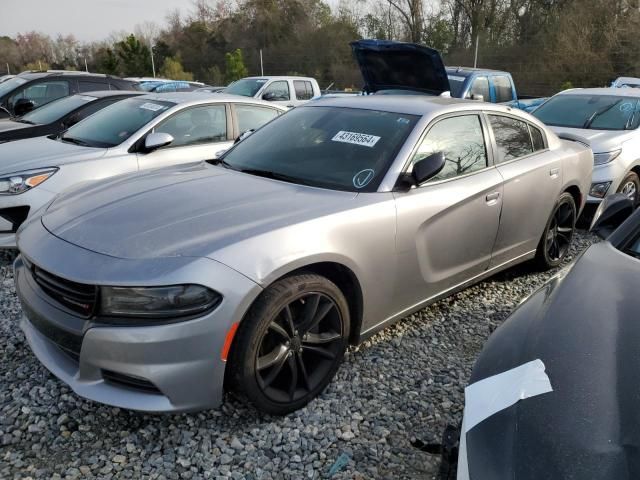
[(222, 162), (75, 141), (597, 113), (22, 120), (275, 176)]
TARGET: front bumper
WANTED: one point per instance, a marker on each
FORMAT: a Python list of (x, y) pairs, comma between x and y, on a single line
[(34, 199), (161, 368)]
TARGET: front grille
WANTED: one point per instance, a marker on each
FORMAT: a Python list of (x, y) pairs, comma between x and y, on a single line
[(129, 381), (77, 297)]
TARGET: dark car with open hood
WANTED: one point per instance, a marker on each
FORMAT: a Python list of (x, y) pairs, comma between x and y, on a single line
[(554, 393)]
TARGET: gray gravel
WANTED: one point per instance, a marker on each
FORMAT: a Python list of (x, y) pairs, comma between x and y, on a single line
[(406, 381)]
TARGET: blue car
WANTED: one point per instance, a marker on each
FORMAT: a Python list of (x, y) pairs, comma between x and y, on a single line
[(492, 86)]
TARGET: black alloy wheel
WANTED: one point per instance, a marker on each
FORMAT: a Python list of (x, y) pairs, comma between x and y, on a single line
[(291, 343), (558, 233)]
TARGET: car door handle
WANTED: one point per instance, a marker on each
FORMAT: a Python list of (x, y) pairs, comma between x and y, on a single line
[(492, 197), (554, 172)]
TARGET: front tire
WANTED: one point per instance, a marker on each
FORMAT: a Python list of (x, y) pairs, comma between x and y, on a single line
[(630, 186), (558, 233), (291, 343)]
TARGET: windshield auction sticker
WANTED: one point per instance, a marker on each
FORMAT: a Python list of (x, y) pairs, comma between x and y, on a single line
[(154, 107), (356, 138), (363, 177)]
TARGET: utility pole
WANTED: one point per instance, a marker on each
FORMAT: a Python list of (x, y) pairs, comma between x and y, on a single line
[(86, 68), (475, 60), (261, 67), (153, 64)]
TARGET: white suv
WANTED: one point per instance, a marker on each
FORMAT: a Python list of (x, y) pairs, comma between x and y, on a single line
[(607, 119), (286, 91)]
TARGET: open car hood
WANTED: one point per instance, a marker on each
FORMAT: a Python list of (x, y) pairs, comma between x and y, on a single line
[(388, 65)]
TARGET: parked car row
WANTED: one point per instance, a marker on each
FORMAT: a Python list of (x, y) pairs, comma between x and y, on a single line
[(257, 268), (174, 245)]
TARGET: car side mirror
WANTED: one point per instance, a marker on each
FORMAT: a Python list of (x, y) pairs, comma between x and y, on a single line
[(23, 106), (611, 213), (477, 97), (157, 140), (269, 96), (244, 135), (428, 167)]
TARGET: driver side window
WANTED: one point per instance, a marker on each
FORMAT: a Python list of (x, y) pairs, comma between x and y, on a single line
[(41, 93), (461, 140), (279, 91), (194, 126)]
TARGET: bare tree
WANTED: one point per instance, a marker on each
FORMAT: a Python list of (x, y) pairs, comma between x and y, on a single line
[(412, 14)]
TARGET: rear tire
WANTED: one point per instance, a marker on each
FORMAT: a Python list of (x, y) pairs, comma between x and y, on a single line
[(290, 344), (558, 233), (630, 186)]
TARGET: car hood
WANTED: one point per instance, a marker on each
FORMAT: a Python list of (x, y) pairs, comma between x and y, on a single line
[(41, 152), (187, 211), (8, 125), (584, 328), (388, 65), (600, 141)]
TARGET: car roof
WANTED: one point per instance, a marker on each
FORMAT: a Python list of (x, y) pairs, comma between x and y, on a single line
[(406, 104), (195, 98), (112, 93), (615, 92), (466, 71), (279, 77), (32, 75)]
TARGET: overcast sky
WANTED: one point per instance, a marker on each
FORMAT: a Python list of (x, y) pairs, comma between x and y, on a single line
[(86, 19)]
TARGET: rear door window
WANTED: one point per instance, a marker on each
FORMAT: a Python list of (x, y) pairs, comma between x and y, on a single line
[(304, 89), (537, 137), (504, 90), (251, 117), (512, 136), (91, 86)]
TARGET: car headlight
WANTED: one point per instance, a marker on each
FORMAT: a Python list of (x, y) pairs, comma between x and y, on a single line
[(599, 190), (157, 302), (606, 157), (20, 182)]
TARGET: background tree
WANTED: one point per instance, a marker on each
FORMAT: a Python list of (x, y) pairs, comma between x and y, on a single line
[(235, 68), (172, 69), (134, 57)]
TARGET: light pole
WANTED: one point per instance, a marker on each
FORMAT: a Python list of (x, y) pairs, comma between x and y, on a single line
[(153, 64)]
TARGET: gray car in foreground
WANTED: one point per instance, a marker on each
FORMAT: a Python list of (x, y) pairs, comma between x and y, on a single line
[(256, 270)]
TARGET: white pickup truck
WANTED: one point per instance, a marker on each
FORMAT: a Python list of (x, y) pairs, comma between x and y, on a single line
[(287, 91)]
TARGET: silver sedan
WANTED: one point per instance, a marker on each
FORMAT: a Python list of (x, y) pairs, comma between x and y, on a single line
[(256, 270), (141, 133)]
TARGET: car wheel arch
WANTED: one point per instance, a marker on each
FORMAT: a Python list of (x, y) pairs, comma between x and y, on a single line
[(338, 273), (575, 192)]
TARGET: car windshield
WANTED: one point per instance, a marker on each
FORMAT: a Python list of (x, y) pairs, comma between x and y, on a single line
[(116, 123), (247, 87), (595, 112), (456, 83), (56, 110), (329, 147), (11, 84)]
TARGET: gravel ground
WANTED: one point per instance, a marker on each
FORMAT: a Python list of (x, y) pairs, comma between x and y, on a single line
[(405, 382)]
